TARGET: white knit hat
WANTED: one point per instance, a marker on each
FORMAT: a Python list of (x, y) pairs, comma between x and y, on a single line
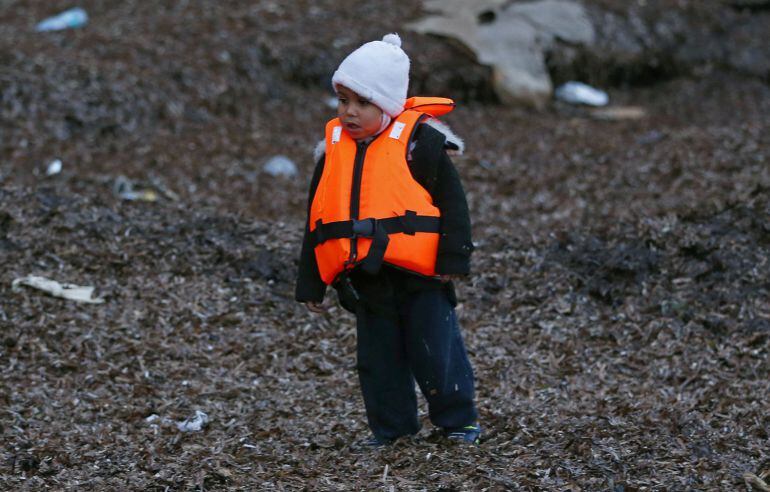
[(377, 71)]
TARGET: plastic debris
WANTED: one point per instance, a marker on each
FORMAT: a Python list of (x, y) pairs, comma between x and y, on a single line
[(580, 93), (194, 424), (69, 19), (160, 186), (65, 291), (124, 188), (280, 165), (54, 167), (156, 420), (332, 102)]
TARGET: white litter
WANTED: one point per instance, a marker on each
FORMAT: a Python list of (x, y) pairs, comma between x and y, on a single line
[(65, 291), (54, 167), (68, 19), (124, 188), (580, 93), (280, 165), (158, 183), (194, 424), (332, 102), (156, 422)]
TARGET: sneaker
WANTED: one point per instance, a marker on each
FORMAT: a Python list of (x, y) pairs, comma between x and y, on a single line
[(470, 434), (374, 442)]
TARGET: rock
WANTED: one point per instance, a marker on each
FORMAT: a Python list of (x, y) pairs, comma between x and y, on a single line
[(564, 20), (512, 39), (630, 48), (748, 41), (652, 42)]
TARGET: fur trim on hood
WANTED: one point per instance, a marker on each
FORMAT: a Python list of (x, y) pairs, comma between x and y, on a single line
[(455, 145), (319, 150), (453, 141)]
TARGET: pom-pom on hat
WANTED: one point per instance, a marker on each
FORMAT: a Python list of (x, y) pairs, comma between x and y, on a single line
[(377, 71)]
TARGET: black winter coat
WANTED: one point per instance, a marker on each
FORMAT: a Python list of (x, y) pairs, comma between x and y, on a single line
[(433, 169)]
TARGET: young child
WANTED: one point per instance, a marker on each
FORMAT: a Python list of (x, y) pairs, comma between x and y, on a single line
[(388, 227)]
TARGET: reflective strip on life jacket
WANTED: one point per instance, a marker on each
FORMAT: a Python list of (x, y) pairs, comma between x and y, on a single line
[(368, 209)]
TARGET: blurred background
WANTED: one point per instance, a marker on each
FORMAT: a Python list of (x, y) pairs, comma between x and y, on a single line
[(202, 94)]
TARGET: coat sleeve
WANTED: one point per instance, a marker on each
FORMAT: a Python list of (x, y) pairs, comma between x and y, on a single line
[(310, 287), (434, 170)]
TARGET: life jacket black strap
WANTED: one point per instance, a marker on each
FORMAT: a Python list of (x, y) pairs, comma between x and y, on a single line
[(373, 261), (378, 230), (409, 223)]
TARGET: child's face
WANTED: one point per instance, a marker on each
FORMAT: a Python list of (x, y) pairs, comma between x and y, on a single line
[(360, 118)]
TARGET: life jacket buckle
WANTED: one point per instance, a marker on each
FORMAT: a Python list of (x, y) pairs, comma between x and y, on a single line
[(347, 284), (364, 228)]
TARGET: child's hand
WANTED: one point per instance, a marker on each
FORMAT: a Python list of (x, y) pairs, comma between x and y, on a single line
[(316, 307)]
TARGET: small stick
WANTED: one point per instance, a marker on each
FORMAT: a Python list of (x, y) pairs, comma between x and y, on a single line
[(751, 480)]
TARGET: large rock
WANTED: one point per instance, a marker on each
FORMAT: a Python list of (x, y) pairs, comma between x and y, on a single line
[(646, 43), (522, 49), (511, 38)]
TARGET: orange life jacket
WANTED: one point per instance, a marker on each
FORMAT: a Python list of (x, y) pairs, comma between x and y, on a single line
[(368, 209)]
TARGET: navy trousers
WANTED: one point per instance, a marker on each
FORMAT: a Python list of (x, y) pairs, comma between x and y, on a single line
[(423, 344)]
